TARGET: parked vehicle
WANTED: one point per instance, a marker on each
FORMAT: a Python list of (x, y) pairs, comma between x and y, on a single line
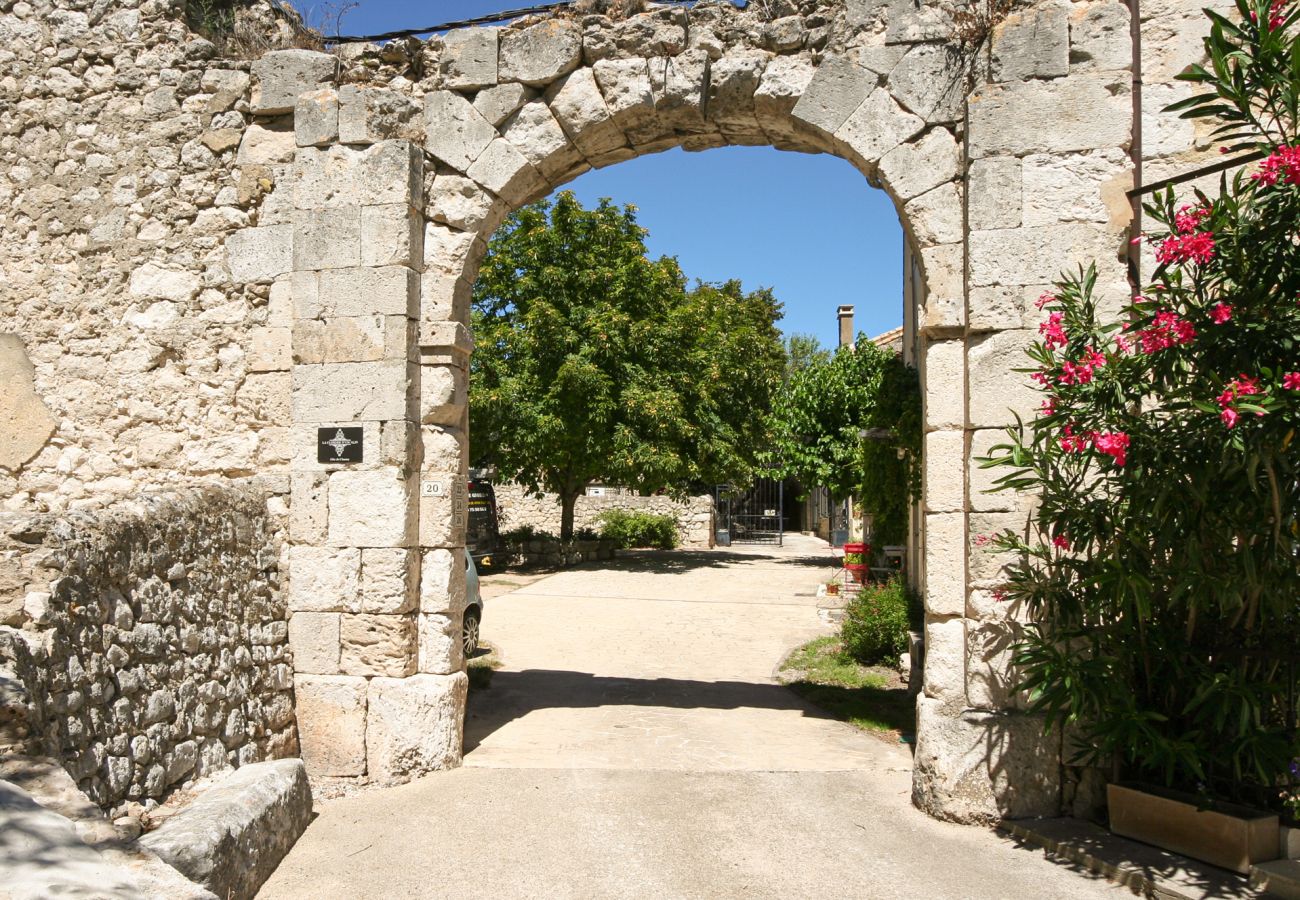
[(482, 536), (473, 608)]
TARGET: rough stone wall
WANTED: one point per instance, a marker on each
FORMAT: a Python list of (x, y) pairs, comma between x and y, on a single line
[(149, 638), (126, 159), (517, 508)]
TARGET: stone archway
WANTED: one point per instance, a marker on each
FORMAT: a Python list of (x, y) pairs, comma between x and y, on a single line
[(393, 199)]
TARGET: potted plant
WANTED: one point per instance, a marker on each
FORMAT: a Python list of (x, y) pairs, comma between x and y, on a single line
[(1222, 834), (856, 557)]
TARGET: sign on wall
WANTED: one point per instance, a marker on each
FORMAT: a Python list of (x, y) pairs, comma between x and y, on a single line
[(337, 444)]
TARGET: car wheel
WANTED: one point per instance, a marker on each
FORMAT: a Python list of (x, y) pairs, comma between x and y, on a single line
[(471, 632)]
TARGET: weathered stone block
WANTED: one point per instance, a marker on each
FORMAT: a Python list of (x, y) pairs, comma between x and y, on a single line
[(1086, 114), (1033, 43), (444, 449), (990, 675), (463, 203), (994, 188), (945, 564), (378, 645), (391, 235), (281, 75), (877, 126), (945, 384), (837, 89), (625, 84), (999, 393), (732, 83), (415, 725), (1081, 187), (469, 58), (327, 238), (316, 118), (985, 565), (936, 217), (28, 423), (945, 475), (344, 392), (267, 141), (331, 712), (538, 136), (541, 53), (324, 579), (910, 170), (314, 640), (496, 104), (259, 254), (930, 81), (1100, 36), (580, 109), (983, 497), (363, 291), (505, 172), (442, 648), (370, 115), (454, 132), (388, 577), (910, 22), (999, 307), (269, 350), (444, 393), (308, 506), (1037, 255), (442, 582), (370, 509), (945, 661)]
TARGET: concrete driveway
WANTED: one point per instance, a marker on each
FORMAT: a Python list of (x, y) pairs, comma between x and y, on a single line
[(635, 744)]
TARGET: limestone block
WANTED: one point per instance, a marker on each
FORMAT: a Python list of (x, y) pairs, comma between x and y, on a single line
[(1081, 187), (451, 251), (164, 282), (386, 290), (580, 109), (877, 126), (945, 661), (391, 171), (399, 444), (625, 84), (944, 370), (414, 725), (999, 307), (983, 497), (943, 309), (1100, 36), (986, 564), (909, 22), (308, 506), (269, 350), (281, 75), (388, 577), (370, 115), (1087, 113), (455, 133), (259, 254), (25, 421), (327, 238), (945, 481), (314, 640), (996, 392), (444, 394), (680, 85), (442, 582), (945, 564), (496, 104), (910, 170), (445, 297), (785, 34), (346, 392), (268, 141), (462, 203), (785, 81), (1038, 255), (231, 837), (994, 190), (442, 647), (324, 579), (1164, 134), (391, 235), (469, 58), (331, 712), (541, 53), (835, 91), (370, 509), (504, 171), (930, 82), (316, 118), (990, 675), (1033, 43), (378, 645), (936, 217), (444, 449), (732, 83), (538, 136)]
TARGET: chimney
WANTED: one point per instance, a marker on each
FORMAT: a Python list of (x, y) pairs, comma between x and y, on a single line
[(845, 315)]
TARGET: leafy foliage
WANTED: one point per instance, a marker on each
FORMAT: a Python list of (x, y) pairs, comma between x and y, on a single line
[(876, 622), (593, 362), (638, 528), (802, 351), (1162, 573), (818, 419)]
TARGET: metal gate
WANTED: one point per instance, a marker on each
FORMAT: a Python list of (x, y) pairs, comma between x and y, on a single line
[(752, 515)]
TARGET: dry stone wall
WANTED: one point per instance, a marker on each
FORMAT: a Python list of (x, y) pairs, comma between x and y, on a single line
[(146, 645), (518, 508)]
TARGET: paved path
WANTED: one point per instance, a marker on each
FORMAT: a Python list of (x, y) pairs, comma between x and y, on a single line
[(635, 745)]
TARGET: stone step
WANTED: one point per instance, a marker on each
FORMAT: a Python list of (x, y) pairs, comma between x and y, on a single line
[(1280, 878)]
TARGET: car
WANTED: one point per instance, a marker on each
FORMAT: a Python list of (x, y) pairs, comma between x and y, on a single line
[(473, 608)]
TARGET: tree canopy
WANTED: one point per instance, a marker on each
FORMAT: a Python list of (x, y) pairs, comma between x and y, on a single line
[(594, 362)]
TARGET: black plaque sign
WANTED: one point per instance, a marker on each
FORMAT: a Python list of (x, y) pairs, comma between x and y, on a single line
[(337, 444)]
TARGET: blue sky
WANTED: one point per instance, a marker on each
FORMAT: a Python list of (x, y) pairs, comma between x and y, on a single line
[(809, 227)]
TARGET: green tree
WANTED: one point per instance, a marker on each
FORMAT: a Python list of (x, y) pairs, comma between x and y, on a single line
[(593, 362), (818, 422), (802, 351)]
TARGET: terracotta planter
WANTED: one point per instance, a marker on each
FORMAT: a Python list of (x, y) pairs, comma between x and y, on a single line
[(1230, 836), (857, 571)]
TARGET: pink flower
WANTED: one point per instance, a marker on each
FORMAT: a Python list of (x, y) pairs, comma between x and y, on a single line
[(1071, 442), (1061, 541), (1112, 443), (1220, 313), (1039, 377), (1291, 381), (1189, 218), (1181, 248), (1048, 407), (1230, 417), (1044, 299), (1241, 386), (1167, 329), (1000, 595), (1075, 374), (1283, 165), (1123, 344), (1053, 330), (983, 540)]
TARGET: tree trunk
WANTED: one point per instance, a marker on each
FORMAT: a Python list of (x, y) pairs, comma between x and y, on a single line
[(568, 500)]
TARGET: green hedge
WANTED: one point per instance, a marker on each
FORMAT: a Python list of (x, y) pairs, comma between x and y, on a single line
[(876, 622), (629, 528)]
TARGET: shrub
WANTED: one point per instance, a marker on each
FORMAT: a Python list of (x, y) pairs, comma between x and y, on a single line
[(876, 622), (586, 534), (525, 533), (634, 528)]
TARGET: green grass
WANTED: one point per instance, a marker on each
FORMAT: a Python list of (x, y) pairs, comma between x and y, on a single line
[(868, 697), (479, 669)]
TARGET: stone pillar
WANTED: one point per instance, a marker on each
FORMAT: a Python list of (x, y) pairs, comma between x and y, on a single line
[(368, 703)]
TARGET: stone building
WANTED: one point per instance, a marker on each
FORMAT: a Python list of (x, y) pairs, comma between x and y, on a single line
[(206, 260)]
